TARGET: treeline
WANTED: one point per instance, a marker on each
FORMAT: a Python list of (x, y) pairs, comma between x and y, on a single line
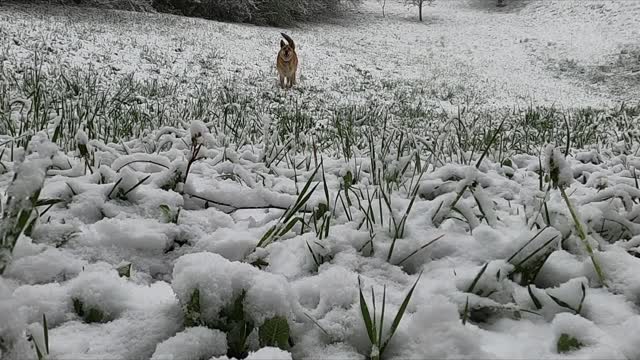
[(260, 12)]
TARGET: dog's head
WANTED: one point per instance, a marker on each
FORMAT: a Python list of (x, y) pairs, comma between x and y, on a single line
[(287, 50)]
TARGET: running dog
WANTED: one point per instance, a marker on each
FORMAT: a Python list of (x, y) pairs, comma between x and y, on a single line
[(287, 62)]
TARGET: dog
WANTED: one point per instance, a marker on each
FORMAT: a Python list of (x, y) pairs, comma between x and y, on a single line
[(287, 62)]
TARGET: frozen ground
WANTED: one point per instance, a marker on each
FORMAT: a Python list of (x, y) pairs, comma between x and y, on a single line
[(475, 299), (554, 52)]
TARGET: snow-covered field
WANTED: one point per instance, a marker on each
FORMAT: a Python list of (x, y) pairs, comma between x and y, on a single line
[(173, 203)]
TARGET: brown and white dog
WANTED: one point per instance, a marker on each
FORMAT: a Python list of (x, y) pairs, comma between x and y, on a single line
[(287, 62)]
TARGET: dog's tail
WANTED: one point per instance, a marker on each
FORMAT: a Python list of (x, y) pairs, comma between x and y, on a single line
[(289, 40)]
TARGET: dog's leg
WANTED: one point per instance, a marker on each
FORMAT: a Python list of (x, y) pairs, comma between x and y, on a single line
[(287, 81), (281, 81), (293, 78)]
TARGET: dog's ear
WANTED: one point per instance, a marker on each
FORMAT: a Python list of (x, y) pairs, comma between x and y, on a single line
[(282, 44)]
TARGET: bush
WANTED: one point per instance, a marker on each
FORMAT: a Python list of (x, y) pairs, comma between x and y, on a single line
[(130, 5), (260, 12)]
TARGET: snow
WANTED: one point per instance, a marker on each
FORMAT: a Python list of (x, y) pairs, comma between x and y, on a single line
[(82, 138), (45, 266), (141, 162), (266, 353), (211, 275), (30, 178), (555, 162), (219, 281), (269, 353), (147, 234), (440, 334), (193, 343), (12, 325), (198, 130), (202, 234), (597, 344), (36, 331)]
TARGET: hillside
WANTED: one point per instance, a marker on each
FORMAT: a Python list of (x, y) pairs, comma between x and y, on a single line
[(467, 184)]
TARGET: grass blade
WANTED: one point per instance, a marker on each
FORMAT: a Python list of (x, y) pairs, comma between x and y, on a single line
[(535, 300), (420, 249), (46, 332), (477, 278), (399, 315), (364, 310), (384, 303), (493, 139)]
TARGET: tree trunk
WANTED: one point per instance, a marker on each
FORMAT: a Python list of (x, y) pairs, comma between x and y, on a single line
[(420, 9)]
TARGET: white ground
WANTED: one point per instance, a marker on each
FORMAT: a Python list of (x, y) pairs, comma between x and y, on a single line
[(501, 57)]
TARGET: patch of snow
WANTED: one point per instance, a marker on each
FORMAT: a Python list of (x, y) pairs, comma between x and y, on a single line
[(192, 343)]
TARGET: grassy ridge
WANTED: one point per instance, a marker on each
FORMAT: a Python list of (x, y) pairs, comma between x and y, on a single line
[(62, 101)]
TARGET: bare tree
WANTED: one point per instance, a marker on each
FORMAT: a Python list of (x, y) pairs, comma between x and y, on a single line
[(383, 3), (419, 4)]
